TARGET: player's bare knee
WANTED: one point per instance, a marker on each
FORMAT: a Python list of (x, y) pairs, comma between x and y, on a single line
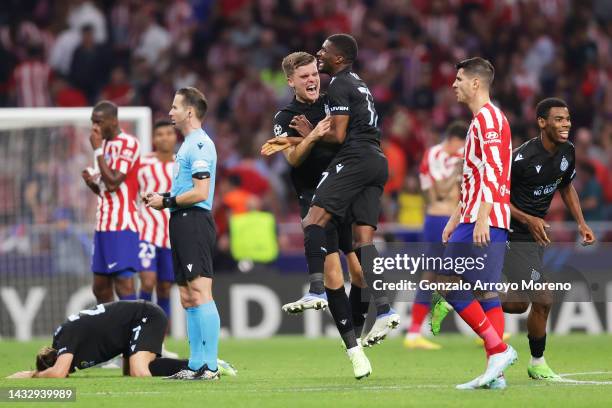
[(316, 216), (515, 307), (147, 283)]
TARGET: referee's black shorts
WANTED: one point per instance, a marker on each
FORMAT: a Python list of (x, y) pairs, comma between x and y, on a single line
[(192, 238), (351, 187)]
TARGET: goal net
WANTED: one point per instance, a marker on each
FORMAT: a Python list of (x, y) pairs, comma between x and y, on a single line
[(47, 214)]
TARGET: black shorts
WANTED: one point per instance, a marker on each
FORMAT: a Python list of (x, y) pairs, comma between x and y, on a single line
[(192, 238), (148, 330), (523, 260), (339, 233), (352, 186)]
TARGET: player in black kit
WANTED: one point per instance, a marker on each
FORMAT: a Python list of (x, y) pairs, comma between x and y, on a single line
[(133, 328), (540, 166), (308, 159), (352, 185)]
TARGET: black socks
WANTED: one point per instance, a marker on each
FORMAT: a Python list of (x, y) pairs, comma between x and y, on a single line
[(341, 312)]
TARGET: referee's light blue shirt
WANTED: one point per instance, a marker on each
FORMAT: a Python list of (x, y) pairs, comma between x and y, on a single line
[(196, 155)]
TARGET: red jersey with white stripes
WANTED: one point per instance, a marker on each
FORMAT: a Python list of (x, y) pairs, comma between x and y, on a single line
[(437, 165), (117, 210), (486, 168), (155, 175)]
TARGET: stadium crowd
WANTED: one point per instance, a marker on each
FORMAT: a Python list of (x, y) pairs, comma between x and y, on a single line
[(135, 52)]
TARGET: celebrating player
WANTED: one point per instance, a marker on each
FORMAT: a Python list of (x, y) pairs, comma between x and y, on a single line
[(308, 160), (115, 254), (439, 173), (90, 337), (351, 185), (481, 218), (192, 232), (540, 166)]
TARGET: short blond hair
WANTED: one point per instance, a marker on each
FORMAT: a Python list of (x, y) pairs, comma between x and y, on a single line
[(295, 60)]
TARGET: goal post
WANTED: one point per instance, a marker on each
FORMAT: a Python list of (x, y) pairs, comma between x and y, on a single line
[(19, 118)]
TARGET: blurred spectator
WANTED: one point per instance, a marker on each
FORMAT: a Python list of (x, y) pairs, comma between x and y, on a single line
[(152, 41), (65, 95), (31, 80), (118, 90), (84, 12), (411, 204), (89, 66), (590, 193)]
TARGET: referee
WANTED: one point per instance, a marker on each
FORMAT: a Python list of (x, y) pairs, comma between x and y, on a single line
[(192, 232)]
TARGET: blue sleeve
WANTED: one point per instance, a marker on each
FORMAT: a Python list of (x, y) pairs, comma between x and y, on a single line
[(200, 158)]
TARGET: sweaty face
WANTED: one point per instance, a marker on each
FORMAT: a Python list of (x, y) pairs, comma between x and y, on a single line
[(557, 125), (178, 113), (463, 87), (326, 57), (105, 124), (164, 139), (306, 82)]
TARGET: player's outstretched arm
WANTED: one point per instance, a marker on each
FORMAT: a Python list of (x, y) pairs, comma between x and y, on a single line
[(536, 226), (278, 144), (60, 369), (570, 198)]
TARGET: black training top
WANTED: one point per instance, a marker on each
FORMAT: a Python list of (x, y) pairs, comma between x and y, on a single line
[(306, 176), (536, 175), (349, 95), (96, 335)]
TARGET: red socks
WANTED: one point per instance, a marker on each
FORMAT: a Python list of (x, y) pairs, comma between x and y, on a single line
[(419, 312), (476, 318)]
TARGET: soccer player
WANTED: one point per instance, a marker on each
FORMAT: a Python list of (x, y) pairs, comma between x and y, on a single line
[(351, 185), (155, 174), (440, 174), (192, 232), (540, 166), (132, 328), (479, 225), (308, 160), (115, 253)]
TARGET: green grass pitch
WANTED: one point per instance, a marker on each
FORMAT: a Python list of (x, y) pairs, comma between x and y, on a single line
[(294, 371)]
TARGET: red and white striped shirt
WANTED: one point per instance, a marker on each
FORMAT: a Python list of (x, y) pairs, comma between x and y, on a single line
[(437, 165), (31, 81), (486, 167), (155, 175), (117, 210)]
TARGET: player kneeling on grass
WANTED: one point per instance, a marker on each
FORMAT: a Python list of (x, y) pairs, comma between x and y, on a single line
[(93, 336)]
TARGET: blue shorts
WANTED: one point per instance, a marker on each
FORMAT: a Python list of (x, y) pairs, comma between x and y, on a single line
[(115, 253), (156, 259), (432, 234), (487, 263)]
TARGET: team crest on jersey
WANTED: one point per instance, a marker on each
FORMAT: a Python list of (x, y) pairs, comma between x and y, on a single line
[(535, 275), (278, 129), (564, 164), (327, 111)]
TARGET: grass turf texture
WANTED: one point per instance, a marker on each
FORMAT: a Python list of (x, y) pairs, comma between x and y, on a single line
[(294, 371)]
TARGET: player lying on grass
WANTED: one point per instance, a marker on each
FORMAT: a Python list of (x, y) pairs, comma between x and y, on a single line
[(540, 166), (93, 336)]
